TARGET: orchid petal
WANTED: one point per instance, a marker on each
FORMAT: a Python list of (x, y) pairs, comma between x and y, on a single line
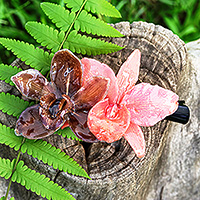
[(149, 104), (32, 84), (135, 138), (66, 72), (92, 67), (108, 122), (30, 125), (128, 73), (92, 92), (78, 124), (87, 74)]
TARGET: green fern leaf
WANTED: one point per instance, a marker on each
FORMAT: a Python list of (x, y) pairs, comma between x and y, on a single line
[(102, 7), (6, 167), (89, 24), (6, 71), (38, 183), (86, 45), (45, 35), (35, 57), (3, 198), (67, 132), (49, 154), (8, 137), (75, 5), (12, 105), (41, 150), (59, 15)]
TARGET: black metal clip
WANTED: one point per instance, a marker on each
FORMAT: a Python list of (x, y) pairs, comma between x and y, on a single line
[(181, 115)]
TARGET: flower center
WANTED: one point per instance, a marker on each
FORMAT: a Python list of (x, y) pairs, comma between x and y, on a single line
[(56, 107), (112, 111)]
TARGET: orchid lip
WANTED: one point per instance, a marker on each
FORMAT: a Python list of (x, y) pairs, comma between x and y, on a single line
[(181, 115)]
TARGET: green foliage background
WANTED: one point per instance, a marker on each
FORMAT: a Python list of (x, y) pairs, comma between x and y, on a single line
[(181, 16)]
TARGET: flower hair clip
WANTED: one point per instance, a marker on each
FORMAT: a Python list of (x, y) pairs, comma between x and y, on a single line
[(97, 105)]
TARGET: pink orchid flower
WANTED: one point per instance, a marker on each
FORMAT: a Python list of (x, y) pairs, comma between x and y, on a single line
[(127, 106)]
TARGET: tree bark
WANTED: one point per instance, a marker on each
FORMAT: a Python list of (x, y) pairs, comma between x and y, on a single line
[(115, 170)]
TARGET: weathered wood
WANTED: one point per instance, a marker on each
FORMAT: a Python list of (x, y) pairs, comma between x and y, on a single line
[(115, 170), (177, 175)]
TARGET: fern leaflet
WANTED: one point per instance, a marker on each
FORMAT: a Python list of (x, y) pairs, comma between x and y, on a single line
[(67, 132), (6, 167), (6, 71), (8, 137), (38, 183), (41, 150), (74, 5), (89, 24), (59, 15), (45, 35), (3, 198), (12, 105), (35, 57), (49, 154), (102, 7), (86, 45)]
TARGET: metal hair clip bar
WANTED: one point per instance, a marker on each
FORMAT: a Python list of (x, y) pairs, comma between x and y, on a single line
[(181, 115)]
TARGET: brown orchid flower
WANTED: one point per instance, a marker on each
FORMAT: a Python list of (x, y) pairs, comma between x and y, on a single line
[(64, 99)]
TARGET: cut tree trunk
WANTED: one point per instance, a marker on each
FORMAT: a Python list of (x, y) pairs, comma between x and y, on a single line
[(115, 170)]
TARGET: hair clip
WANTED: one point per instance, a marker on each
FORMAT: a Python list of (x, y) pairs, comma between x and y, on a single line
[(181, 115)]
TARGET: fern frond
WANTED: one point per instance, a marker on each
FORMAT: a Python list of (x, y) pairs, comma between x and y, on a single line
[(45, 35), (86, 45), (41, 150), (6, 71), (102, 7), (12, 105), (59, 15), (49, 154), (75, 5), (89, 24), (3, 198), (67, 132), (8, 137), (35, 57), (38, 183), (6, 167)]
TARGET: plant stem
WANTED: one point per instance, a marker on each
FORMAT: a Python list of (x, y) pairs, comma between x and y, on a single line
[(68, 31), (14, 168)]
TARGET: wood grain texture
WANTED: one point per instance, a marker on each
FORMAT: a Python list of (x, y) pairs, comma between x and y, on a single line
[(115, 170), (177, 176)]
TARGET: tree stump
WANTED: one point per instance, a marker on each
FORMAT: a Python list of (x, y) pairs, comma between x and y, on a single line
[(115, 170), (177, 174)]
